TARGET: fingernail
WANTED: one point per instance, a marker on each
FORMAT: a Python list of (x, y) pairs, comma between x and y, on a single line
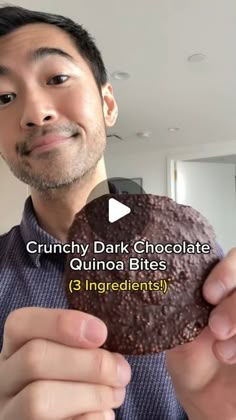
[(220, 325), (93, 330), (119, 395), (123, 370), (214, 291), (227, 349)]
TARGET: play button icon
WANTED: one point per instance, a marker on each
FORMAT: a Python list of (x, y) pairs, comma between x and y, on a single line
[(116, 210)]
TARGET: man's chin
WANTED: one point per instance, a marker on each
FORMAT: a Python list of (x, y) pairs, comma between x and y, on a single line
[(47, 186), (58, 175)]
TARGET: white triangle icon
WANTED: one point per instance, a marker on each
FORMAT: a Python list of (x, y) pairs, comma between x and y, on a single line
[(116, 210)]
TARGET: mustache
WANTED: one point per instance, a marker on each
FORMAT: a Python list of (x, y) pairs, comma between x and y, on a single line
[(23, 148)]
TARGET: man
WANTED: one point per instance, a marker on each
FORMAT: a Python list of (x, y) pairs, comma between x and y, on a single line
[(52, 136)]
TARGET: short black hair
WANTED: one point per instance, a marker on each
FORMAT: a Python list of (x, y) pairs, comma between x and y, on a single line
[(13, 17)]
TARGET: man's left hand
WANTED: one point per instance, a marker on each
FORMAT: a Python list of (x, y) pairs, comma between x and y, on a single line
[(204, 371)]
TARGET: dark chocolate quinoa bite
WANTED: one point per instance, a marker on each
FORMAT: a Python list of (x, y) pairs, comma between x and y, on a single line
[(145, 321)]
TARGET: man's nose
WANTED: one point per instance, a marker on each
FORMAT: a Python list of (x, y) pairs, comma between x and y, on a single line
[(38, 111)]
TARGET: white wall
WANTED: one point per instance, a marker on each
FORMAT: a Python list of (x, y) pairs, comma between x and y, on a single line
[(209, 187), (153, 164), (140, 163), (12, 195)]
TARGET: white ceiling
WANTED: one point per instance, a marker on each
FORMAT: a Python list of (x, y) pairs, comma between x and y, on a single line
[(152, 40)]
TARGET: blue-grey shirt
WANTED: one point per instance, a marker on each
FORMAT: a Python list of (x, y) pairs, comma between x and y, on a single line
[(37, 280)]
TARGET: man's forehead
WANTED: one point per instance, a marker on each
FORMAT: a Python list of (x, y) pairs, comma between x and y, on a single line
[(19, 49), (39, 29), (29, 37), (37, 44)]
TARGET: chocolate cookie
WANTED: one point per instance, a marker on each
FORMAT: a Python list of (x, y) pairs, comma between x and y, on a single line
[(156, 302)]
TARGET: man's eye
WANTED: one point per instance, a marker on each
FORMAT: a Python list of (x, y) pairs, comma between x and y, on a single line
[(4, 98), (59, 77)]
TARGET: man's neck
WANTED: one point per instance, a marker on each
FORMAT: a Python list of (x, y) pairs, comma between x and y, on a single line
[(55, 210)]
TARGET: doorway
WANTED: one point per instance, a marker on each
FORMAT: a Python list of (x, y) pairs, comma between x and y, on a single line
[(208, 185)]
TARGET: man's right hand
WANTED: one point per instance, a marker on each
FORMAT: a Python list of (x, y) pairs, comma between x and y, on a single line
[(52, 369)]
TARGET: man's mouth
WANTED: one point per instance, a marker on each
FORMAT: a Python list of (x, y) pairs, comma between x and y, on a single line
[(48, 142)]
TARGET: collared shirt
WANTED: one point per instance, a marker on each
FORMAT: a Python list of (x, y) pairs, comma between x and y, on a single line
[(37, 280)]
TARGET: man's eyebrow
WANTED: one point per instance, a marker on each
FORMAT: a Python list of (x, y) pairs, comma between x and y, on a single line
[(38, 55)]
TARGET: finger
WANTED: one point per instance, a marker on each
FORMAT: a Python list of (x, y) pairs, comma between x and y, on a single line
[(41, 359), (222, 279), (225, 351), (222, 320), (52, 400), (105, 415), (69, 327)]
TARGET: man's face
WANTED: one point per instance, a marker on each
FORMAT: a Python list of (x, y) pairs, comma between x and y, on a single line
[(52, 95)]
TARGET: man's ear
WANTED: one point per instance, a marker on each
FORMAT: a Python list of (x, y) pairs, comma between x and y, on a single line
[(110, 108)]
